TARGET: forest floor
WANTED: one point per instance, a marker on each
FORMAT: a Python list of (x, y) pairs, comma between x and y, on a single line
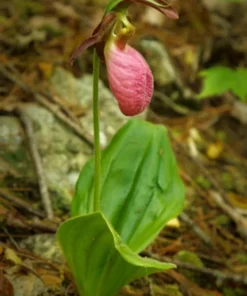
[(208, 240)]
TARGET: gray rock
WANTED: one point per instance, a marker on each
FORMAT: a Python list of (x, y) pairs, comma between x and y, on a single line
[(45, 246), (159, 61), (79, 90), (29, 284), (163, 68), (63, 154), (10, 133), (13, 154), (26, 284), (51, 135)]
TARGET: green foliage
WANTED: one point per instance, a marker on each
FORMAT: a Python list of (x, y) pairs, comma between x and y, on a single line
[(140, 192), (100, 262), (190, 257), (141, 189), (218, 80), (203, 182)]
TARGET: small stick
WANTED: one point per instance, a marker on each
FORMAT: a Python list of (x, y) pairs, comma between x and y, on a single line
[(220, 275), (21, 204), (150, 286), (240, 221), (219, 195), (11, 238), (39, 225), (38, 164), (60, 115), (171, 103), (186, 219), (221, 199), (62, 103), (42, 225)]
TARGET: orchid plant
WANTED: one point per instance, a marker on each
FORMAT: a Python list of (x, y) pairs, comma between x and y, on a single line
[(125, 196)]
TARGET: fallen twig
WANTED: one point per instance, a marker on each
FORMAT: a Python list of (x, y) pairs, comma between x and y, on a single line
[(21, 204), (62, 103), (11, 238), (222, 201), (219, 275), (186, 219), (172, 104), (42, 226), (240, 221), (60, 115), (37, 163), (220, 197), (150, 286)]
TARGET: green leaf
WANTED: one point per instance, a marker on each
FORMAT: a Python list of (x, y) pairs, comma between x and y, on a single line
[(141, 189), (239, 85), (218, 80), (100, 262)]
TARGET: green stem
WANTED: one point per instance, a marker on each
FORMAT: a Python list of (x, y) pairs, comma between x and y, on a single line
[(97, 152)]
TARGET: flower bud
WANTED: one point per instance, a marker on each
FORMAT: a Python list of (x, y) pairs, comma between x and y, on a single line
[(130, 77)]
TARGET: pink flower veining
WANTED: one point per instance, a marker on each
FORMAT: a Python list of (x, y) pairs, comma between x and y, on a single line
[(130, 78)]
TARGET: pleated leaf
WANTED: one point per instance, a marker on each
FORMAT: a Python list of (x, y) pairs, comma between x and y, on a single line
[(100, 262), (141, 189)]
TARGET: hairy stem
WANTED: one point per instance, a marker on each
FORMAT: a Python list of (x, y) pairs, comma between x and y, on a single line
[(97, 152)]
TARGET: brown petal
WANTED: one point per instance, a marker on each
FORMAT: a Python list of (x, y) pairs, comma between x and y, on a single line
[(98, 35), (169, 12), (83, 46), (106, 22)]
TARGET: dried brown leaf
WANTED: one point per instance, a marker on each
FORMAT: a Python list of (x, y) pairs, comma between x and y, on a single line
[(6, 288)]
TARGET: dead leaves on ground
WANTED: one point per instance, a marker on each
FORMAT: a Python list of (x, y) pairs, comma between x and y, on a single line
[(24, 274)]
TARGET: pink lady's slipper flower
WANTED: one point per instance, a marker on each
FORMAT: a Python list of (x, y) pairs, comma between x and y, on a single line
[(130, 77)]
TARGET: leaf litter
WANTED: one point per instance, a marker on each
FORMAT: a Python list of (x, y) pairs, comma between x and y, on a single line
[(37, 38)]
